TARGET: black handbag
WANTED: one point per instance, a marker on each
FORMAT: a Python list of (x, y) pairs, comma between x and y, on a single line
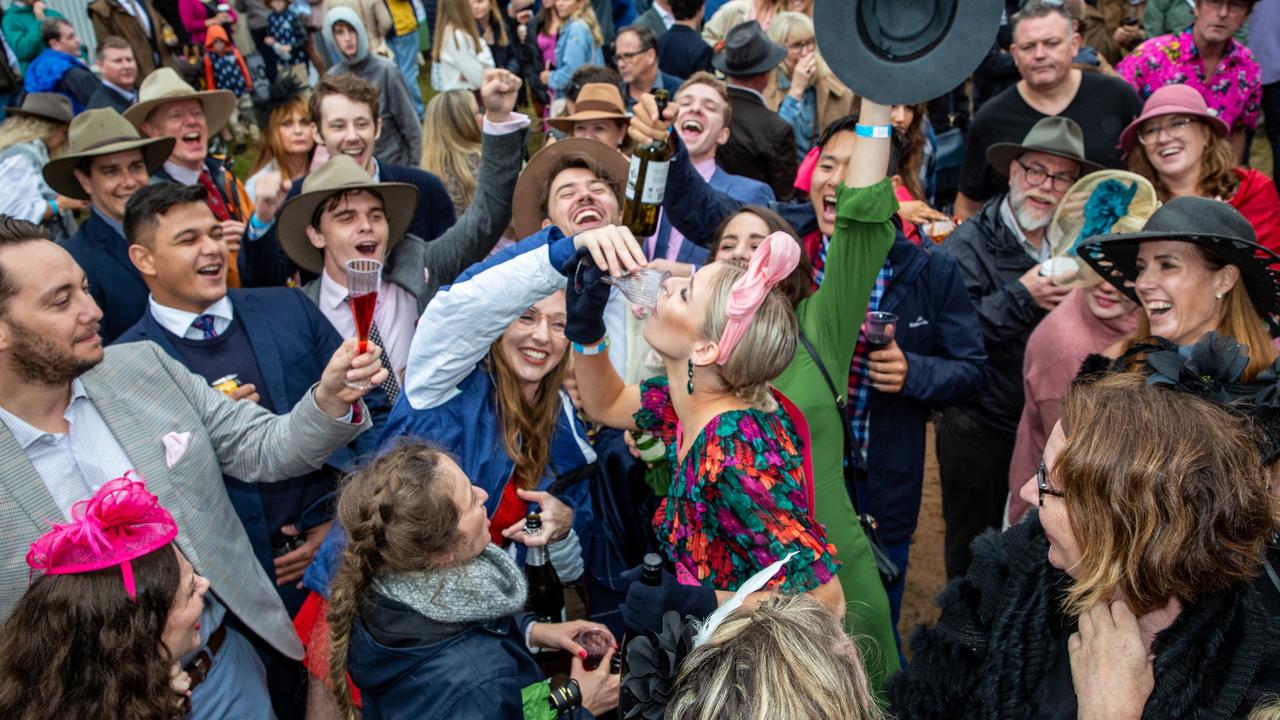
[(888, 569)]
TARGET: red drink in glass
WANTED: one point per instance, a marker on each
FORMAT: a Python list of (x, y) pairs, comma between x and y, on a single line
[(364, 279), (362, 310)]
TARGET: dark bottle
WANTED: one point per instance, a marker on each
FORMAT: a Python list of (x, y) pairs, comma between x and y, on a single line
[(647, 180), (546, 594), (650, 574)]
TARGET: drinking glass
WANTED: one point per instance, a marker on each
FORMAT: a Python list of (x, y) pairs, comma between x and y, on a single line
[(596, 643), (364, 278), (880, 328), (938, 230), (641, 287)]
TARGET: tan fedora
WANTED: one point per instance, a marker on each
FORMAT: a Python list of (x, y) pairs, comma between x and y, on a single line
[(99, 132), (54, 107), (165, 85), (596, 101), (527, 213), (339, 174)]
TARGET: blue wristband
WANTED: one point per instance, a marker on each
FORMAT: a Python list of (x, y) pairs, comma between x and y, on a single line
[(873, 131), (592, 349)]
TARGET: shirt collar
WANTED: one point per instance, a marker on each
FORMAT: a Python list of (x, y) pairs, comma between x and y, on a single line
[(126, 92), (181, 174), (24, 433), (667, 18), (333, 294), (113, 224), (377, 171), (1011, 221), (706, 168), (179, 321)]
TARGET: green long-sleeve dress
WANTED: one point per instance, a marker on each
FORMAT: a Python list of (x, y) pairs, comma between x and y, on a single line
[(830, 319)]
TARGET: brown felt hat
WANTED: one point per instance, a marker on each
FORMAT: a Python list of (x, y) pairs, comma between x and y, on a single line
[(99, 132), (528, 213), (596, 101)]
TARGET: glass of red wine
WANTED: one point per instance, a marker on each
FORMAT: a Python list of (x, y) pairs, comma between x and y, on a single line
[(364, 278), (879, 328), (596, 643)]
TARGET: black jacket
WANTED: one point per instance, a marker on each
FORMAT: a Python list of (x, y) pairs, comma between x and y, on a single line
[(106, 97), (991, 261), (761, 144), (1002, 630)]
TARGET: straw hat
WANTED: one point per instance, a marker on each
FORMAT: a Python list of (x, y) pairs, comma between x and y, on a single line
[(1107, 201), (54, 107), (527, 213), (99, 132), (339, 174), (596, 101), (165, 85)]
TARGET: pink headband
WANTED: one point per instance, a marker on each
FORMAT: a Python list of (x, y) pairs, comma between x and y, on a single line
[(776, 257), (122, 521)]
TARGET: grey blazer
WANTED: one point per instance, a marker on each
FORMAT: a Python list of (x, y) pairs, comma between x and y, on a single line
[(143, 395), (470, 239)]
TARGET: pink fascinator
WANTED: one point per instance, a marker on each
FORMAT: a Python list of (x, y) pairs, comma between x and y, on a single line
[(122, 521), (772, 261)]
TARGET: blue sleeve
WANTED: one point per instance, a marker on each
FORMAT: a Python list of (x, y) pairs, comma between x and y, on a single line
[(560, 251), (957, 375), (578, 49), (694, 207), (800, 117), (327, 561)]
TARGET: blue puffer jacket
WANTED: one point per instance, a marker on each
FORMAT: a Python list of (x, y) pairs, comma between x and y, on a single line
[(939, 333)]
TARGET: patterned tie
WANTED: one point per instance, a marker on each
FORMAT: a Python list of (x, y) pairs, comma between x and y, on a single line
[(216, 203), (390, 386), (204, 324)]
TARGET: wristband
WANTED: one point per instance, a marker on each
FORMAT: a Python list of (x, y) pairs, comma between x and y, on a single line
[(592, 349), (873, 131), (566, 697), (53, 207)]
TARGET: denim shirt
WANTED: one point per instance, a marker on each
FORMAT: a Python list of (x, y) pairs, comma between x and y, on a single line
[(801, 115), (575, 47)]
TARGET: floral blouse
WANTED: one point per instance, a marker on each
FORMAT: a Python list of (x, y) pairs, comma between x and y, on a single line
[(737, 503), (1234, 91)]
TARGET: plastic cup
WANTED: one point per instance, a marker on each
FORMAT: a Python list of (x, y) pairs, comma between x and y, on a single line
[(642, 287), (880, 328), (938, 230), (596, 643)]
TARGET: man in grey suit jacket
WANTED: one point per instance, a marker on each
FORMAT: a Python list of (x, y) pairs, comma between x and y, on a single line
[(73, 417)]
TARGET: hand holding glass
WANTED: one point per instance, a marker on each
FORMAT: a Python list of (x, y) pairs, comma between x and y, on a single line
[(879, 328), (364, 278)]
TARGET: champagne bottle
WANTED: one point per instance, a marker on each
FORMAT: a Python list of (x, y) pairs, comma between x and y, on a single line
[(647, 180), (546, 594), (650, 574)]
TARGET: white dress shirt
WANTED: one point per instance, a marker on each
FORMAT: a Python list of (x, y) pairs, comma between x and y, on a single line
[(179, 322)]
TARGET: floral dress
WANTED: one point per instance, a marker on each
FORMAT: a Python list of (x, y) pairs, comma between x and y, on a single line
[(737, 502)]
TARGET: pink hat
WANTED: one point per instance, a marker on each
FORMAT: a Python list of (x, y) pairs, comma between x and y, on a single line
[(1172, 100), (122, 521)]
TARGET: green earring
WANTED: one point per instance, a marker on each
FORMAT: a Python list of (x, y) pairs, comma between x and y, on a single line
[(690, 376)]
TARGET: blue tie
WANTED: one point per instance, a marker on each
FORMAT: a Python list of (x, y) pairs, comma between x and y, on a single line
[(204, 324)]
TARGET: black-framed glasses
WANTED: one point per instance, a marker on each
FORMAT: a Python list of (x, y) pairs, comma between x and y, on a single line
[(1036, 176), (629, 56), (1042, 483)]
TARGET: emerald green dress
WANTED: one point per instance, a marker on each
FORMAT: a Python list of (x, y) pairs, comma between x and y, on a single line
[(830, 319)]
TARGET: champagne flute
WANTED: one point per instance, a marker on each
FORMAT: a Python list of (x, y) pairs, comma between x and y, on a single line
[(364, 278)]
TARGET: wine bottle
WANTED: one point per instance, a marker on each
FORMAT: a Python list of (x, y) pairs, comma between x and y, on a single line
[(647, 180), (650, 574), (546, 594)]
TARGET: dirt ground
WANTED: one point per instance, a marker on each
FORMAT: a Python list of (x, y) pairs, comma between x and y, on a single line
[(926, 574)]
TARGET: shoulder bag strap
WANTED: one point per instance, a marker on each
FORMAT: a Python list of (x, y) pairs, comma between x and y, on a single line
[(841, 406)]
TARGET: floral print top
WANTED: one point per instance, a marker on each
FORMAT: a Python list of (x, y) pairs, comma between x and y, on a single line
[(738, 501), (1234, 91)]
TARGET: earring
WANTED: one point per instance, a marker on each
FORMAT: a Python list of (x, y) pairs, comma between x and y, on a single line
[(690, 376), (1219, 296)]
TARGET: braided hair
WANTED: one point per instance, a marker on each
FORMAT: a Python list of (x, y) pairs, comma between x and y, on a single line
[(399, 518)]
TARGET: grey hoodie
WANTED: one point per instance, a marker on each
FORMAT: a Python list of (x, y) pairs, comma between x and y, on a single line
[(401, 140)]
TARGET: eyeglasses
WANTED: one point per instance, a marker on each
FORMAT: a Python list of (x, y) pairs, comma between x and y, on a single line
[(1235, 5), (1176, 128), (802, 45), (1036, 176), (628, 57), (1042, 483), (531, 319)]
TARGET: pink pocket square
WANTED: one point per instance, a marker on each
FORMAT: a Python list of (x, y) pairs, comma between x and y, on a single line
[(175, 446)]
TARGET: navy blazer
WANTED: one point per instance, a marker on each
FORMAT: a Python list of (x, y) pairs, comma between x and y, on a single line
[(263, 263), (292, 342), (114, 282), (682, 52), (107, 97)]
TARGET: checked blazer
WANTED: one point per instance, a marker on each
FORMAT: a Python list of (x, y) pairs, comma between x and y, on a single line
[(143, 395)]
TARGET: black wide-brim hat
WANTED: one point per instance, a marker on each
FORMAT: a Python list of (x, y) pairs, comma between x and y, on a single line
[(1212, 224), (905, 51)]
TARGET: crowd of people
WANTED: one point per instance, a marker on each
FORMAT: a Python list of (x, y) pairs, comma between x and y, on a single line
[(575, 461)]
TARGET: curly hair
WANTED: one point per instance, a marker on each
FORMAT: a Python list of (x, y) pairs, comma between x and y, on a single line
[(1164, 492), (399, 518), (76, 646)]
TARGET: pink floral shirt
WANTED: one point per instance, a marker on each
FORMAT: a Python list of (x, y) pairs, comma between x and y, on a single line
[(1234, 91)]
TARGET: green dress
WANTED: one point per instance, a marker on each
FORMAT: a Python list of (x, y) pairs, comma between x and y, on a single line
[(830, 319)]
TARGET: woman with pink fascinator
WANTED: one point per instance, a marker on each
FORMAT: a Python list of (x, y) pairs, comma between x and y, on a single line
[(740, 495), (100, 633)]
